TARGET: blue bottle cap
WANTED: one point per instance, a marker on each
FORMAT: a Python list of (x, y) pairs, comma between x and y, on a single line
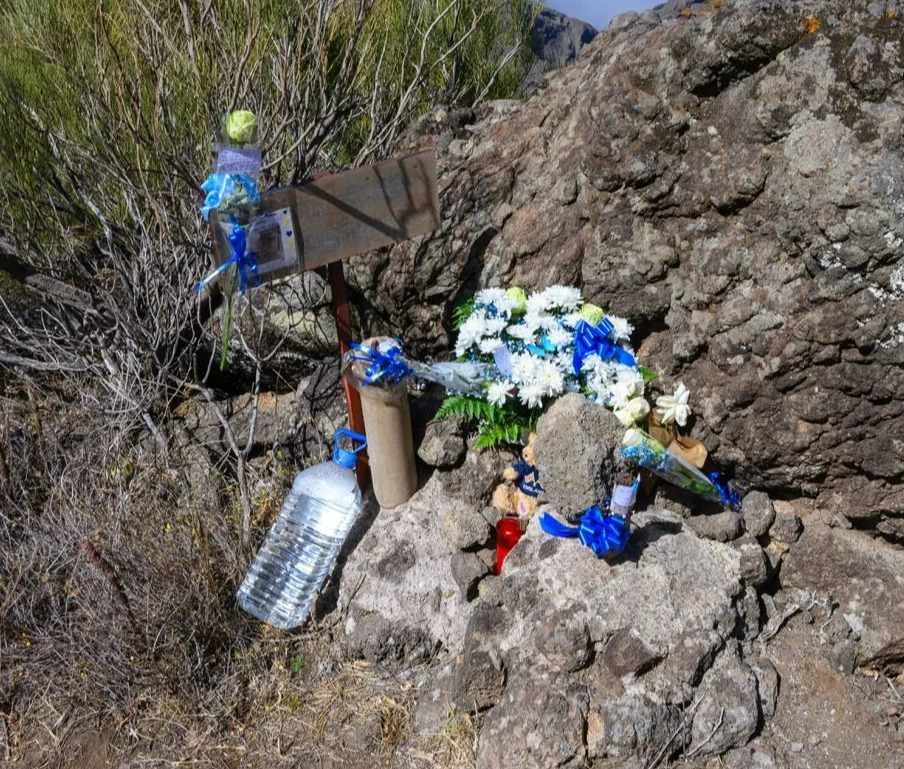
[(343, 456)]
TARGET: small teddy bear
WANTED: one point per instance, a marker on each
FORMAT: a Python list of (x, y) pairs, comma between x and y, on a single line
[(520, 493)]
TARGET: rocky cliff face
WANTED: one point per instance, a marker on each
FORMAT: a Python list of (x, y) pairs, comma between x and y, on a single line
[(732, 181), (559, 39)]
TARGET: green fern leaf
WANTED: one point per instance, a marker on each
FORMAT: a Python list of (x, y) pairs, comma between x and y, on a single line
[(495, 424), (462, 312)]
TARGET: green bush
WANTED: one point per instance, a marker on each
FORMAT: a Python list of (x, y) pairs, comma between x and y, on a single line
[(109, 112)]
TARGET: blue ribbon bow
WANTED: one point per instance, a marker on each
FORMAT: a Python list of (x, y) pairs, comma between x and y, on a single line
[(244, 261), (603, 534), (388, 367), (594, 340)]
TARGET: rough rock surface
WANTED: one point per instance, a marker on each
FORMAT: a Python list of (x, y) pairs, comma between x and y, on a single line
[(733, 183), (722, 527), (863, 578), (678, 648), (558, 39), (560, 603), (443, 444), (398, 590), (575, 447), (758, 513)]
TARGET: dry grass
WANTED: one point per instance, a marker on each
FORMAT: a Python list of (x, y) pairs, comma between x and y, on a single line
[(120, 635)]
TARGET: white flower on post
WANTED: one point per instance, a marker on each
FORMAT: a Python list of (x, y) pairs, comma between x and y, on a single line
[(674, 408)]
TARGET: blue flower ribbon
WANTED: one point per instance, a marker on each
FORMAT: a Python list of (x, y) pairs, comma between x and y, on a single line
[(388, 366), (730, 497), (594, 340), (603, 534), (229, 190), (241, 258)]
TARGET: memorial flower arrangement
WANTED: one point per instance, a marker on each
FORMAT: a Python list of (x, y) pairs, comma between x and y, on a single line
[(517, 353), (534, 349)]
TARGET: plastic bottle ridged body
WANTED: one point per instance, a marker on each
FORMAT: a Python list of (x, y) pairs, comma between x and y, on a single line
[(302, 546)]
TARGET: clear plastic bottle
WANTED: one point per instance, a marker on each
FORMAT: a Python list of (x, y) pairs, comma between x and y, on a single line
[(305, 540)]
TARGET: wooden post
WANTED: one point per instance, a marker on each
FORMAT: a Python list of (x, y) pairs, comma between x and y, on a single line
[(344, 331)]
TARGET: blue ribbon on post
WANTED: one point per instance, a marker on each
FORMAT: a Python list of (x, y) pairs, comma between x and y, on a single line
[(244, 262), (603, 534), (388, 367), (594, 340)]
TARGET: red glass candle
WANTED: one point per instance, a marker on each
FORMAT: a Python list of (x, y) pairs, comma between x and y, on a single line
[(508, 532)]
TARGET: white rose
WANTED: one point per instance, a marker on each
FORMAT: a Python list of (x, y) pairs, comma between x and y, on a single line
[(633, 412)]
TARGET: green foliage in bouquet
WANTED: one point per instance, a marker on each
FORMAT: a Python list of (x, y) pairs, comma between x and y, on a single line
[(495, 424), (461, 312)]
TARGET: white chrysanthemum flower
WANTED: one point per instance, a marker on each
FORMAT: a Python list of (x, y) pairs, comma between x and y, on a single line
[(494, 326), (600, 389), (565, 363), (508, 306), (620, 394), (470, 333), (531, 395), (571, 319), (540, 321), (630, 378), (621, 329), (549, 378), (674, 408), (489, 345), (524, 368), (562, 297), (490, 296), (474, 324), (560, 337), (591, 363), (536, 303), (499, 392), (477, 328), (521, 331), (603, 369), (500, 299)]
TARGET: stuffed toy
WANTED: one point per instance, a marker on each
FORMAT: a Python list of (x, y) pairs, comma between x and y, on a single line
[(520, 493)]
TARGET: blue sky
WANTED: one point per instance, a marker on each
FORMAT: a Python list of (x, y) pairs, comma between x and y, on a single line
[(599, 12)]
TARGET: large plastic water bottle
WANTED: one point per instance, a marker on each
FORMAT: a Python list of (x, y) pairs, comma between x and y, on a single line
[(303, 544)]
